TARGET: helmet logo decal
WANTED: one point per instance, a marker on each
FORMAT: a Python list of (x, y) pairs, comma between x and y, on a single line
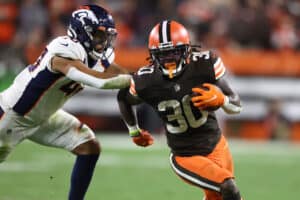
[(82, 14)]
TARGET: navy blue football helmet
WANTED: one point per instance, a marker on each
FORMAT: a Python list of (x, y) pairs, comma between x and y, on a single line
[(94, 28)]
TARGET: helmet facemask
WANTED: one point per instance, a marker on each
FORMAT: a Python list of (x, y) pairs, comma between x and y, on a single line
[(170, 60), (102, 40)]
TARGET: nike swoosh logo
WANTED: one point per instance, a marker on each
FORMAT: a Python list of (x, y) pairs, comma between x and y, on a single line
[(211, 99), (64, 44)]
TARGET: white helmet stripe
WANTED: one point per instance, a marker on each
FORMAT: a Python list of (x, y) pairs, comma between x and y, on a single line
[(164, 31)]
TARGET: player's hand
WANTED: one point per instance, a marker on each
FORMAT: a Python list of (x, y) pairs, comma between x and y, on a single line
[(209, 96), (143, 138)]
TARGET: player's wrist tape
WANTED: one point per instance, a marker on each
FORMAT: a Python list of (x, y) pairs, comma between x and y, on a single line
[(134, 133), (120, 81), (229, 107), (133, 130), (226, 101)]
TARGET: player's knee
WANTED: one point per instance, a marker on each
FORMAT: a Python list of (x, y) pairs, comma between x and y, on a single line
[(4, 151), (229, 190), (87, 148)]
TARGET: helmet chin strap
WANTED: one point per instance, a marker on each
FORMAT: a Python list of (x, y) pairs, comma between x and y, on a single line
[(171, 69), (106, 57)]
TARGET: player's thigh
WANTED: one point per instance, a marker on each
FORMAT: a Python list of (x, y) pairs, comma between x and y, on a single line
[(12, 132), (199, 171), (221, 155), (63, 130)]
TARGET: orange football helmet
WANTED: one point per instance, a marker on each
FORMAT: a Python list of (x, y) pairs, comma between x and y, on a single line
[(169, 47)]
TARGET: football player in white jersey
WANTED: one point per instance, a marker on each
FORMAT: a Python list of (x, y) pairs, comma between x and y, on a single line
[(31, 107)]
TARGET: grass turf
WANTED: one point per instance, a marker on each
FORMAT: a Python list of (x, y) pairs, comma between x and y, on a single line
[(32, 172)]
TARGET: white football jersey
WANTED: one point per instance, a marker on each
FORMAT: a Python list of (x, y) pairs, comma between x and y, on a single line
[(38, 92)]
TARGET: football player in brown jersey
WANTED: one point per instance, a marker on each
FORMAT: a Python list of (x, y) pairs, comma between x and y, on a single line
[(184, 85)]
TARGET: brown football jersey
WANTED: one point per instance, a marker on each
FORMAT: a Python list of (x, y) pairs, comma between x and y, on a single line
[(189, 130)]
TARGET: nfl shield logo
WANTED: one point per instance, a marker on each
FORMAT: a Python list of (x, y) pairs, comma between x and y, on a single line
[(176, 87)]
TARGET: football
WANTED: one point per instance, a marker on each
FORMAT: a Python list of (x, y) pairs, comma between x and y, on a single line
[(209, 108), (212, 108)]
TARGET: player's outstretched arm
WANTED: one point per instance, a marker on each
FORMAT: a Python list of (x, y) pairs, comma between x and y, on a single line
[(116, 69), (79, 72), (232, 103), (139, 136)]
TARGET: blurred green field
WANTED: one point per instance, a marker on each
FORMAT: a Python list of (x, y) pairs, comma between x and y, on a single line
[(264, 171)]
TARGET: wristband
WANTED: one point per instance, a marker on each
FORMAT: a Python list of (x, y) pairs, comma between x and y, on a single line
[(229, 107), (133, 130)]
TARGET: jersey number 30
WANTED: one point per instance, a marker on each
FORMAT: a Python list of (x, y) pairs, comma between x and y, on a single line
[(183, 115)]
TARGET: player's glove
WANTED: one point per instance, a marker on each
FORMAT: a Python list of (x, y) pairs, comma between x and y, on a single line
[(142, 138), (207, 97)]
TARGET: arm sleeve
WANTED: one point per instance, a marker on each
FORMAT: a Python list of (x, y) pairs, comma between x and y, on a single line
[(117, 82)]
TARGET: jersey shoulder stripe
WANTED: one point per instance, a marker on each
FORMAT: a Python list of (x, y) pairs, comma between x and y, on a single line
[(219, 68)]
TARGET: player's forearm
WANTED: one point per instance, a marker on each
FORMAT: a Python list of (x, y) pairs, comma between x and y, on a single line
[(117, 82), (127, 112), (63, 66)]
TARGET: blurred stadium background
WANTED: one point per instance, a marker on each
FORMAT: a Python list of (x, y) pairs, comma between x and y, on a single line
[(258, 40)]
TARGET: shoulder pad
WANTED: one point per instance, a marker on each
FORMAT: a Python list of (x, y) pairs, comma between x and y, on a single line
[(207, 55), (65, 47), (213, 60)]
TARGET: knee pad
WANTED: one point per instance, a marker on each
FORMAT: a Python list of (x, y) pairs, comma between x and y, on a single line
[(229, 190), (4, 151), (88, 148)]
